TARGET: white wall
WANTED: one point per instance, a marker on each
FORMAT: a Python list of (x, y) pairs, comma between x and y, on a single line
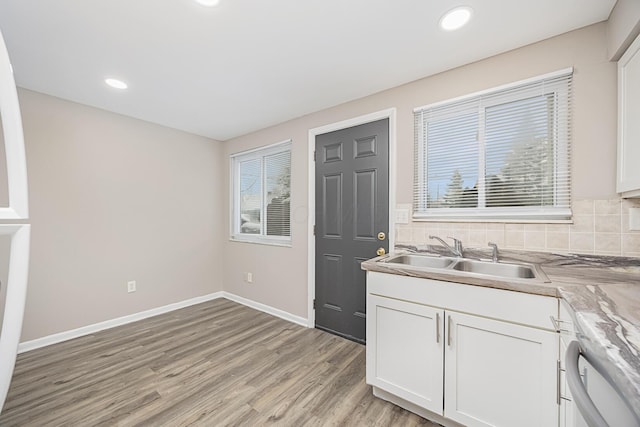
[(623, 27), (114, 199), (280, 274)]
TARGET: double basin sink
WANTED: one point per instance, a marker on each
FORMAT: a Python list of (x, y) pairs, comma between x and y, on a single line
[(465, 265)]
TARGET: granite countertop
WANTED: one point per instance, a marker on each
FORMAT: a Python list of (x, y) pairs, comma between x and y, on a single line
[(603, 293)]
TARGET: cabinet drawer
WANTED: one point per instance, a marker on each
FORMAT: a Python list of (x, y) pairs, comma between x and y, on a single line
[(511, 306)]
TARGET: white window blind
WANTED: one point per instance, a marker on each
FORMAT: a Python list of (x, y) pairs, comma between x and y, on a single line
[(261, 196), (500, 154)]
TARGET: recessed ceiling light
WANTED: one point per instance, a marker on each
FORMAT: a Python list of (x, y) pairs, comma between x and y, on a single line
[(208, 3), (455, 18), (116, 84)]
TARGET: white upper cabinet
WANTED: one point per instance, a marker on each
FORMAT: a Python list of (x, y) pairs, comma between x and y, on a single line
[(629, 122), (13, 168)]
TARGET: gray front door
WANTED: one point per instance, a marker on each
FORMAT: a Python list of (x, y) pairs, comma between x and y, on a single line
[(352, 208)]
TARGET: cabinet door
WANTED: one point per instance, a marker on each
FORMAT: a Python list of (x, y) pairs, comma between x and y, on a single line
[(628, 124), (499, 374), (567, 409), (404, 350)]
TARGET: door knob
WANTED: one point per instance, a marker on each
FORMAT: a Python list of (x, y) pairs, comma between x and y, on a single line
[(381, 251), (381, 235)]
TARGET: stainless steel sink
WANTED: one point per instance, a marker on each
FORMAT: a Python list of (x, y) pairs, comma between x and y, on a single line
[(420, 261), (515, 271), (502, 270)]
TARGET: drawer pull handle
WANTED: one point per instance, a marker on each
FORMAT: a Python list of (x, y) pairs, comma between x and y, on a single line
[(558, 325)]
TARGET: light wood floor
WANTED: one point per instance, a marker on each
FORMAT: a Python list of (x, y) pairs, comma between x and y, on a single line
[(212, 364)]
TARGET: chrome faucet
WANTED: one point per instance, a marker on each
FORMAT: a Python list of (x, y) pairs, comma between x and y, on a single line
[(457, 245), (495, 255)]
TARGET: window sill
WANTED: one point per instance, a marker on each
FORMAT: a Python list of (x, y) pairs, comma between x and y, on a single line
[(262, 241), (494, 220)]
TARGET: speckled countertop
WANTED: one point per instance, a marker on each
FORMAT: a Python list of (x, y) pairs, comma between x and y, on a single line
[(602, 292)]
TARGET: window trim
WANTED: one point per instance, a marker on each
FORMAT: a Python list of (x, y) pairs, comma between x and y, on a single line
[(234, 168), (499, 214)]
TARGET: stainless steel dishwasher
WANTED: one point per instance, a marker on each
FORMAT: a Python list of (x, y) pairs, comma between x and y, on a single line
[(589, 398)]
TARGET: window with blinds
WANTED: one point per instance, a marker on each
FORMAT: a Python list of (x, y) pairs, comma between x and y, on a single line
[(261, 196), (499, 154)]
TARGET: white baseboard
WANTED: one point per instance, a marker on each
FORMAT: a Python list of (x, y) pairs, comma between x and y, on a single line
[(90, 329), (267, 309), (96, 327)]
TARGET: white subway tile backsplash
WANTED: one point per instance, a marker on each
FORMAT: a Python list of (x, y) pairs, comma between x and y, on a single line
[(558, 241), (583, 223), (539, 228), (535, 240), (582, 242), (403, 234), (608, 243), (583, 207), (495, 236), (514, 239), (608, 207), (607, 223), (599, 227), (418, 234), (630, 244), (558, 228), (477, 238)]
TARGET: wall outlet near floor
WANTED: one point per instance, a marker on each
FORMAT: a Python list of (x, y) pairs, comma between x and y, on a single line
[(634, 219), (131, 286), (248, 277)]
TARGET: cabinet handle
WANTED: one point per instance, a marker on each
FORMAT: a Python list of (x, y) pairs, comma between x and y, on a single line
[(438, 328), (449, 331), (558, 369), (558, 325)]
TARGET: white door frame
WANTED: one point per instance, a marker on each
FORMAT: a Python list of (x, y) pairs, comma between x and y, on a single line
[(390, 114)]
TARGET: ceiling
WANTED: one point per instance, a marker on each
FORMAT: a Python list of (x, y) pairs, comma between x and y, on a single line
[(248, 64)]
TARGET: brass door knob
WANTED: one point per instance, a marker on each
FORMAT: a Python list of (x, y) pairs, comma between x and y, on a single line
[(381, 235), (381, 251)]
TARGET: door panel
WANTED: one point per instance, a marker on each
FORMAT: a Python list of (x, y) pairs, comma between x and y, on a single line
[(365, 208), (499, 374), (333, 273), (352, 207), (332, 215)]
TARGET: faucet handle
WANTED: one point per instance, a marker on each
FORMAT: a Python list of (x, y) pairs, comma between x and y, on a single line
[(495, 253), (457, 244)]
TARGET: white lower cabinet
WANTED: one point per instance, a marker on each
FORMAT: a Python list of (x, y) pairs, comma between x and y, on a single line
[(429, 349), (407, 339), (499, 374)]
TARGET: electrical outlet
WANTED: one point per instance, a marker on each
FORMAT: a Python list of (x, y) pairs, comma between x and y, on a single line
[(248, 277), (402, 216), (131, 286), (402, 213)]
